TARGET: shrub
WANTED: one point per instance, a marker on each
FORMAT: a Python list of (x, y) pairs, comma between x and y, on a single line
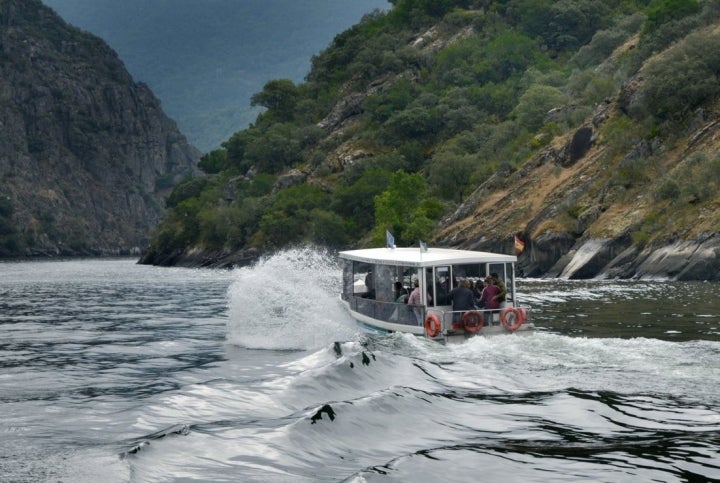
[(668, 190), (660, 12), (214, 161), (604, 42), (190, 188), (534, 104), (328, 229), (565, 24), (449, 174), (678, 82)]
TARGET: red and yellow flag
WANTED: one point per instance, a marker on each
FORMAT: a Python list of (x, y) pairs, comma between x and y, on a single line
[(519, 245)]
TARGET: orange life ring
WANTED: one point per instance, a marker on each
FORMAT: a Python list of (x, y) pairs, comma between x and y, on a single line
[(512, 318), (432, 325), (472, 321)]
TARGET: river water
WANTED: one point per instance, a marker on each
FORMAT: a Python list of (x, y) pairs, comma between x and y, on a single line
[(116, 372)]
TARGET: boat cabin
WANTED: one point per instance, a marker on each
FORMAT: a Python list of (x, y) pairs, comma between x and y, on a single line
[(377, 284)]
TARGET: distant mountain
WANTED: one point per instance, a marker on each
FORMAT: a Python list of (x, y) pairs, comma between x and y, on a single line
[(205, 59), (86, 154)]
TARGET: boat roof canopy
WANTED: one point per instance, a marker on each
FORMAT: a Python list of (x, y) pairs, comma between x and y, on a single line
[(413, 257)]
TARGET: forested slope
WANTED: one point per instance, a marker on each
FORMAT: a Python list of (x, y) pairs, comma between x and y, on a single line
[(586, 128)]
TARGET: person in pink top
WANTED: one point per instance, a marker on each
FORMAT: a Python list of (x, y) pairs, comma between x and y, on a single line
[(489, 295), (416, 299)]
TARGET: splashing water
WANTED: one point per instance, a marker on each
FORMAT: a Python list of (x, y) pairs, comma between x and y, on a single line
[(289, 301)]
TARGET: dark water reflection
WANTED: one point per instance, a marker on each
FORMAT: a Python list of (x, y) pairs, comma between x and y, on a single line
[(674, 311)]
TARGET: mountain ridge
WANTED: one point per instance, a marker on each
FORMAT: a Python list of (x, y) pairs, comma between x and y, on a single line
[(86, 154)]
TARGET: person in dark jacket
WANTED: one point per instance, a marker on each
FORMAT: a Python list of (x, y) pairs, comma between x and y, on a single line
[(463, 299)]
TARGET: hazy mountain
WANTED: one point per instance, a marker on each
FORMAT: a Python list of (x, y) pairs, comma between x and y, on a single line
[(86, 154), (204, 59)]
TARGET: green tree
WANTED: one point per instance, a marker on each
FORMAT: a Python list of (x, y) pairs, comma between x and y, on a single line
[(450, 173), (660, 12), (682, 79), (328, 229), (534, 104), (405, 209), (288, 219), (190, 188), (279, 96), (356, 202), (214, 161), (274, 148)]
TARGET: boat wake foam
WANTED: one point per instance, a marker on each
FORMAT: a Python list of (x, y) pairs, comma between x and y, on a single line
[(289, 301)]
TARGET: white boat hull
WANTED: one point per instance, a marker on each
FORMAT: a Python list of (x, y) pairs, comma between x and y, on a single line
[(372, 325)]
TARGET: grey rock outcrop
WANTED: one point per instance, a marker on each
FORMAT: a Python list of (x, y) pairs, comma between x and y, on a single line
[(86, 154)]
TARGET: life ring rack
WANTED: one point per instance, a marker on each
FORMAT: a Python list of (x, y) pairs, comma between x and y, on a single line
[(472, 321), (513, 317), (433, 327)]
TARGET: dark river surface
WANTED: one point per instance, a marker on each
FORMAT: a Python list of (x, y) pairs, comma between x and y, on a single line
[(115, 372)]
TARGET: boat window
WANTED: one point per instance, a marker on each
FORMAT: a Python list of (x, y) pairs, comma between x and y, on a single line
[(472, 272), (363, 280), (510, 281), (402, 279), (439, 285), (348, 288), (385, 283)]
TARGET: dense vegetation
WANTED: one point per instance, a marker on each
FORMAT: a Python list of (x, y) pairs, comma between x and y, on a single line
[(433, 123)]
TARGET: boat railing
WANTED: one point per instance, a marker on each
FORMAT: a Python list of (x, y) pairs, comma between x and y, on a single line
[(414, 315), (453, 320), (396, 313)]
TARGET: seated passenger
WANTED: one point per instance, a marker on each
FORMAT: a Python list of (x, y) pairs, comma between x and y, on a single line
[(401, 293), (370, 284)]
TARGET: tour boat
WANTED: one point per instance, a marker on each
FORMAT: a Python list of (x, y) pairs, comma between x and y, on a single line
[(376, 280)]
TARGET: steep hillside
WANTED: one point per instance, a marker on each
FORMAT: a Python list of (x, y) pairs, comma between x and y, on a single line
[(86, 154), (587, 129), (611, 198), (204, 59)]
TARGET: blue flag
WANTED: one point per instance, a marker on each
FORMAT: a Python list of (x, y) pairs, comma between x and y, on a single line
[(390, 240), (423, 246)]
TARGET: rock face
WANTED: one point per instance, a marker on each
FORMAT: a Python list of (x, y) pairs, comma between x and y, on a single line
[(573, 229), (86, 154)]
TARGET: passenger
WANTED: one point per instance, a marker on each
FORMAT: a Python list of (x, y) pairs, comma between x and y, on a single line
[(401, 293), (370, 284), (399, 289), (503, 289), (416, 299), (489, 299), (463, 299), (477, 292)]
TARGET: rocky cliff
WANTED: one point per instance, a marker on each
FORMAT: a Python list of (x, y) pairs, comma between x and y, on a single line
[(577, 219), (86, 154)]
